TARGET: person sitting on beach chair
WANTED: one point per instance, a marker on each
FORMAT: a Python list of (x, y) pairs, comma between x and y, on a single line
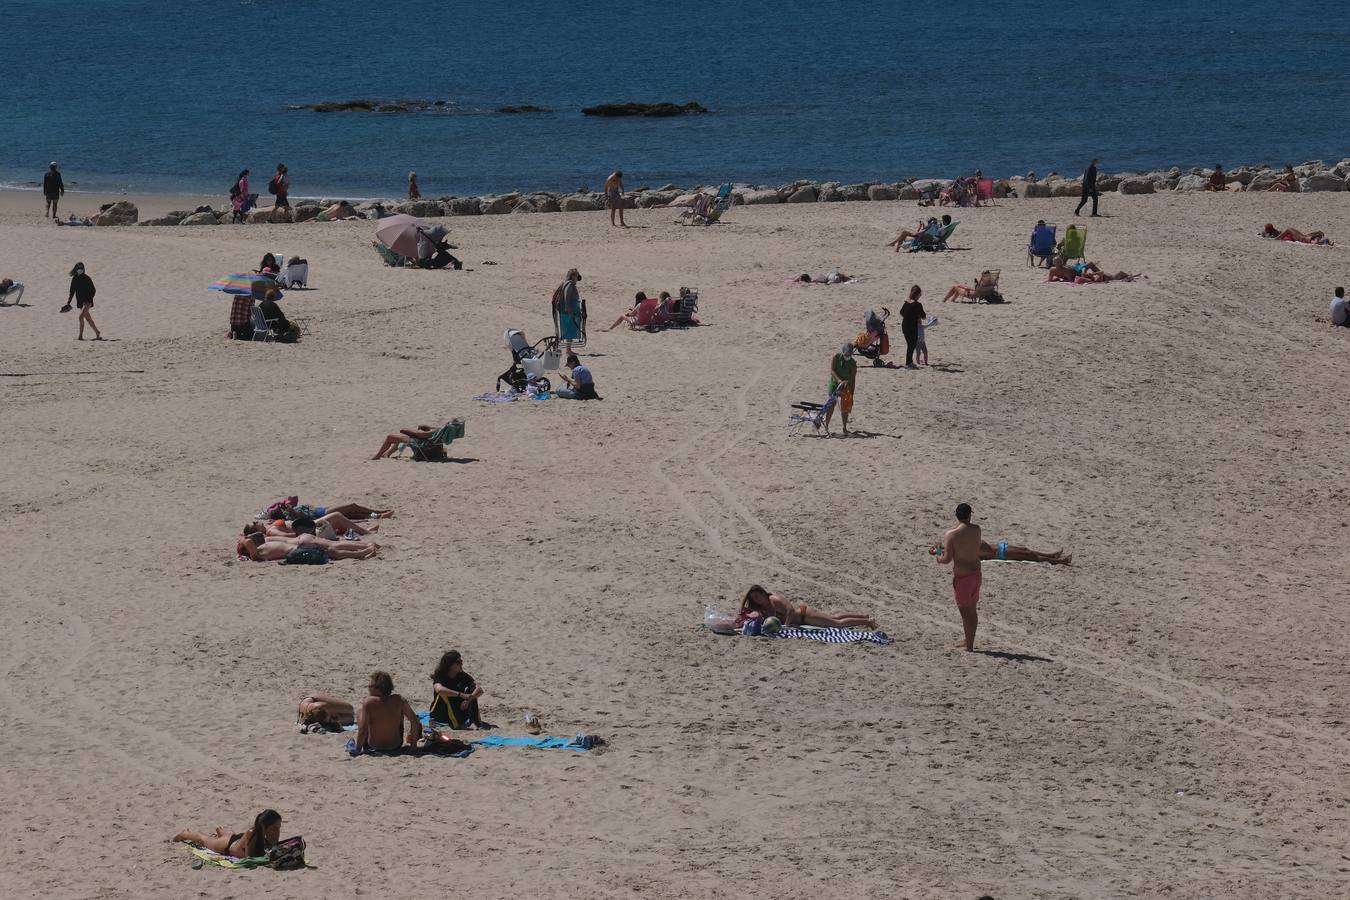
[(381, 716), (984, 288), (427, 443), (11, 292), (454, 697), (1041, 247), (760, 604), (283, 329), (251, 842), (908, 234), (932, 239)]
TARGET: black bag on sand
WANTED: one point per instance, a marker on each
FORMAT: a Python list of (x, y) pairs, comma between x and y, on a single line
[(289, 854)]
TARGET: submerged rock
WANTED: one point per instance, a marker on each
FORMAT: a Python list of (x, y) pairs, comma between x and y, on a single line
[(643, 109), (525, 108)]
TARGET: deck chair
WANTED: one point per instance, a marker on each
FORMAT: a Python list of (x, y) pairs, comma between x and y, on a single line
[(1041, 247), (293, 274), (389, 256), (685, 308), (933, 239), (12, 295), (1074, 244), (432, 449), (984, 190), (812, 414), (988, 293), (261, 330)]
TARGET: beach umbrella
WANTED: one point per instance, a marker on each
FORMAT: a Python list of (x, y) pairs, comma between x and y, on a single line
[(257, 285), (399, 233)]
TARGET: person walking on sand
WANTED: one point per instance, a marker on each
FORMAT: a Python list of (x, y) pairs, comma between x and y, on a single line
[(843, 378), (614, 197), (53, 188), (1089, 189), (961, 547), (413, 192), (911, 314), (280, 187), (82, 291)]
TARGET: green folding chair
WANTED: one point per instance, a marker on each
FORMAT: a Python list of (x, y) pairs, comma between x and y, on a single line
[(432, 449), (1075, 242)]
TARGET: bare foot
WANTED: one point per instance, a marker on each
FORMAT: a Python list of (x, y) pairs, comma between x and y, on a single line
[(961, 646)]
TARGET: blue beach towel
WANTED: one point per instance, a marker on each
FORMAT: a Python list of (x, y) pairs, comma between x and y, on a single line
[(543, 743)]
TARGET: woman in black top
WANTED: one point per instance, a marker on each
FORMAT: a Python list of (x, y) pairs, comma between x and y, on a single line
[(911, 316), (454, 697), (82, 292)]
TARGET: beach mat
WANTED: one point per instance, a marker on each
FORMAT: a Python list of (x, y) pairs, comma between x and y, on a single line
[(834, 635), (228, 862), (541, 743)]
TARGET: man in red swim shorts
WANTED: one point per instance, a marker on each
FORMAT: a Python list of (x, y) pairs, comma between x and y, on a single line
[(961, 547)]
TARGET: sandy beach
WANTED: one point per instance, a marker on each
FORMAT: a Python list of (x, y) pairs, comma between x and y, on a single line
[(1166, 717)]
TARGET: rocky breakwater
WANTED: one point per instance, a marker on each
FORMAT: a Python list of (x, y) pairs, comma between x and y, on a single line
[(1312, 176), (644, 109)]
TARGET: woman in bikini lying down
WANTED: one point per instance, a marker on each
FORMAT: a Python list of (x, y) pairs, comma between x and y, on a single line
[(1294, 236), (325, 709), (760, 604), (255, 841)]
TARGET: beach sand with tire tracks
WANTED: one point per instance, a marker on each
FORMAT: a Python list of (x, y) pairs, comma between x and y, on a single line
[(1166, 716)]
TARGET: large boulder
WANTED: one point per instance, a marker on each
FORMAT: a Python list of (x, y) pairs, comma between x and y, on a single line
[(882, 192), (422, 209), (1192, 183), (525, 205), (806, 194), (463, 206), (649, 199), (171, 218), (498, 206), (120, 213), (853, 192), (1037, 189), (1135, 186), (760, 196), (544, 203), (1262, 181), (829, 192), (908, 192), (201, 218), (1323, 181), (1107, 183), (305, 213), (1063, 188), (581, 203)]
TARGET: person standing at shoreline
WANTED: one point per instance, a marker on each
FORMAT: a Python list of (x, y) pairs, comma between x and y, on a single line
[(82, 291), (413, 192), (53, 188), (239, 197), (911, 314), (961, 548), (1089, 189), (614, 197), (280, 187)]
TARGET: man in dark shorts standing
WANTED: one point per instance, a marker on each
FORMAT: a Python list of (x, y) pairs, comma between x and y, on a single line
[(961, 547), (53, 188), (1089, 189)]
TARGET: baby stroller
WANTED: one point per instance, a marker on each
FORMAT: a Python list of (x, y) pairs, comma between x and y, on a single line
[(528, 361), (873, 342), (812, 414)]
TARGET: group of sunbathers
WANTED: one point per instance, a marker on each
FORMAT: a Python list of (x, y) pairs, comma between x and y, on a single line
[(1083, 272), (321, 534), (650, 312)]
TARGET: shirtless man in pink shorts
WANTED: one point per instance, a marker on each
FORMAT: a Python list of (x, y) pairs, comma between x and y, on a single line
[(961, 547)]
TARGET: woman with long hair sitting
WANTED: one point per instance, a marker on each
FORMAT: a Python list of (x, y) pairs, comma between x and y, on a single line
[(255, 841)]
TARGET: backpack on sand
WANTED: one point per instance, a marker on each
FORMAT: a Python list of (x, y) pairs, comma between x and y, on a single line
[(289, 854)]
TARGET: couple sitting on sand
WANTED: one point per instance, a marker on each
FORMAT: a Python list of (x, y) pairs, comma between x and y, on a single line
[(381, 716)]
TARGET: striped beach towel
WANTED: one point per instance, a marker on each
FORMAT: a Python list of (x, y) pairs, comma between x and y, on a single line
[(834, 635)]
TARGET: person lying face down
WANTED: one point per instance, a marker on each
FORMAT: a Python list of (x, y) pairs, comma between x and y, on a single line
[(758, 603), (259, 547)]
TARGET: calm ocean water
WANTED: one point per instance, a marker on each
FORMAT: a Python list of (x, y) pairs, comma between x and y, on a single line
[(160, 96)]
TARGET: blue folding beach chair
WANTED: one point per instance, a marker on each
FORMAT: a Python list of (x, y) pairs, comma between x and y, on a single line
[(1041, 248), (933, 239)]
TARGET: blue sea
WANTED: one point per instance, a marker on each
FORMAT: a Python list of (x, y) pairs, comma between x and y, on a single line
[(179, 96)]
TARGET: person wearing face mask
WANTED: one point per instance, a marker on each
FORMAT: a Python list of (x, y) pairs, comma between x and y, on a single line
[(82, 291)]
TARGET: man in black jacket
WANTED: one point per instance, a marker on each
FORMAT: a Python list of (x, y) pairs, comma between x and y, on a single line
[(1089, 189), (52, 188)]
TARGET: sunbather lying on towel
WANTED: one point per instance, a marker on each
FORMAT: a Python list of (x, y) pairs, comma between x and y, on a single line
[(331, 526), (380, 718), (325, 709), (1294, 236), (258, 547), (255, 841), (1083, 273), (1005, 552), (760, 604), (340, 210), (404, 436), (834, 276), (1286, 183), (291, 508)]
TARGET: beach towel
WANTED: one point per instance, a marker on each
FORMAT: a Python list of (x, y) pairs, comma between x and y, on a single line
[(228, 862), (833, 635), (511, 396), (542, 743), (350, 750)]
